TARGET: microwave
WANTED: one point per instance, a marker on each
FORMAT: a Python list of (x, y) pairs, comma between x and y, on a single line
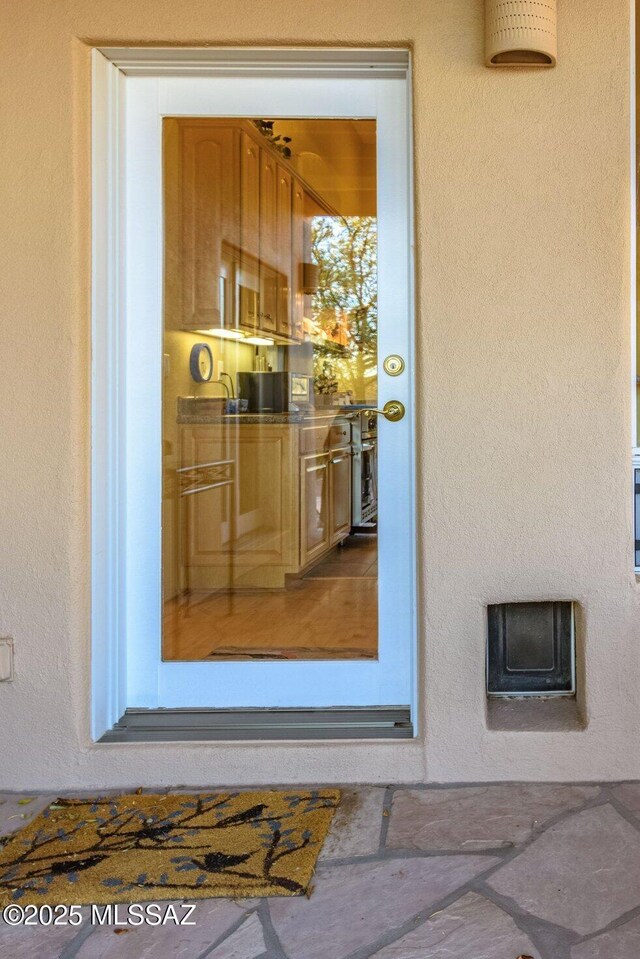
[(276, 392)]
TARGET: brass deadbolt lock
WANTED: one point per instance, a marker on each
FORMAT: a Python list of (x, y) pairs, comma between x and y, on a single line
[(393, 365)]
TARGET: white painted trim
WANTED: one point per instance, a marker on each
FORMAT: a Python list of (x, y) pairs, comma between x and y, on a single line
[(633, 226), (260, 62), (634, 236), (107, 515), (112, 446)]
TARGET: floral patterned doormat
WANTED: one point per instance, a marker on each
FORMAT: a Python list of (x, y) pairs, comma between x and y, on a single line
[(139, 847)]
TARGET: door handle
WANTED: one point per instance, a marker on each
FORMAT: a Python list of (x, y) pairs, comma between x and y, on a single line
[(393, 411)]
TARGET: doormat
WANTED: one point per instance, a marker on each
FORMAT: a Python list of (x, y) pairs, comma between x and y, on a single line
[(139, 847), (294, 652)]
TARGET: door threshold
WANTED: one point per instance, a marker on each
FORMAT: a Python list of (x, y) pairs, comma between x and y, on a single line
[(188, 725)]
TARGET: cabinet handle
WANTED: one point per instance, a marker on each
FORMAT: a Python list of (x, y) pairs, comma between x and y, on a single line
[(340, 459), (314, 469)]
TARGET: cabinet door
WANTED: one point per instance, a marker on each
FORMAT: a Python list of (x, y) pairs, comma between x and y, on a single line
[(314, 506), (247, 276), (202, 218), (297, 258), (340, 486), (205, 486), (284, 237), (249, 196), (268, 320)]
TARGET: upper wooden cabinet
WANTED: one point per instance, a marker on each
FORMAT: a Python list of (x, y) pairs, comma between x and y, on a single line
[(284, 235), (249, 195), (201, 218), (298, 226), (236, 230)]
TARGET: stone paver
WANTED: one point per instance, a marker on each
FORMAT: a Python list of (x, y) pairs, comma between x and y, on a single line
[(213, 917), (472, 928), (17, 809), (620, 943), (246, 943), (560, 869), (354, 905), (35, 942), (582, 873), (355, 830), (629, 795), (476, 818)]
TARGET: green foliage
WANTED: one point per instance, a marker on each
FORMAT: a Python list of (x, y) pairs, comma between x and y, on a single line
[(346, 304)]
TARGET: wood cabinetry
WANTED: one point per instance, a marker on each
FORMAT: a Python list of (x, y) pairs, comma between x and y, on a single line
[(298, 229), (201, 164), (284, 233), (314, 507), (340, 491), (239, 502), (325, 487), (236, 230), (249, 196), (260, 501)]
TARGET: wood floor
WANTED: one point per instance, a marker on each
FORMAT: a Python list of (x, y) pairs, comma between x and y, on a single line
[(332, 613)]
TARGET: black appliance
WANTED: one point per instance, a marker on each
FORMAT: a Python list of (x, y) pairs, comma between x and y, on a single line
[(283, 392)]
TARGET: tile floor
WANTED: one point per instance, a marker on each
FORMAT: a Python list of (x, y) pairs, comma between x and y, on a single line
[(476, 872)]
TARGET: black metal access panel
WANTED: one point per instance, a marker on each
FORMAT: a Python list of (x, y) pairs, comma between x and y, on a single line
[(530, 649)]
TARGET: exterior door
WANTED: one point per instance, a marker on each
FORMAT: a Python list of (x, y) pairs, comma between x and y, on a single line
[(268, 278)]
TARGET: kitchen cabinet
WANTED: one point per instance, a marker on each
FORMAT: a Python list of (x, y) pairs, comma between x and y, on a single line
[(299, 224), (325, 480), (238, 494), (237, 230), (260, 501), (314, 507), (284, 246), (202, 218), (249, 196), (268, 315), (340, 493)]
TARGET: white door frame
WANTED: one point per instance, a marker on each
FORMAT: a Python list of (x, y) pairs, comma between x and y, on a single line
[(116, 611)]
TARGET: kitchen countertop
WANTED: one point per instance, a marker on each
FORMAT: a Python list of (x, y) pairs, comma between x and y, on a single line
[(205, 410)]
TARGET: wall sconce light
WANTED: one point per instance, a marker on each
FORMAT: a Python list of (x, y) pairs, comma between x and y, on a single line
[(521, 33), (310, 278)]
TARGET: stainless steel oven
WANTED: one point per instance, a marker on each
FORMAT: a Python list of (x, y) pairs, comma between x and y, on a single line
[(365, 469)]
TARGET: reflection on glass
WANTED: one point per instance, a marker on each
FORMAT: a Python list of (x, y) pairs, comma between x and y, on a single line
[(270, 464)]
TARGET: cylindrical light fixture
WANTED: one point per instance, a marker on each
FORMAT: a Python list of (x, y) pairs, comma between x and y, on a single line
[(521, 33), (310, 278)]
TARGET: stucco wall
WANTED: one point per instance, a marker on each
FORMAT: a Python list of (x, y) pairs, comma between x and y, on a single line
[(523, 409)]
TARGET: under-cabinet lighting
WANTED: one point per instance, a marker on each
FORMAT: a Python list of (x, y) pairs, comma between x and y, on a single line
[(223, 334), (259, 341)]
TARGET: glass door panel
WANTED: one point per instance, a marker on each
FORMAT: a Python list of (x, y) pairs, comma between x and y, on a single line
[(285, 247), (270, 512)]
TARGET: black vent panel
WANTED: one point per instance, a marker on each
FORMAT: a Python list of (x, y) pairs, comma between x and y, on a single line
[(530, 648)]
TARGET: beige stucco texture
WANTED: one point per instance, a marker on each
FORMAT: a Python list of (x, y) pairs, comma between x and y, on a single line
[(523, 406)]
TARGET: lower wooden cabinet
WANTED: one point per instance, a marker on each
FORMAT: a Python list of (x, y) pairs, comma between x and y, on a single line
[(314, 507), (257, 502), (239, 505), (340, 494)]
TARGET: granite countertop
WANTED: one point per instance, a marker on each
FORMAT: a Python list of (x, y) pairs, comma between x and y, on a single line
[(195, 410)]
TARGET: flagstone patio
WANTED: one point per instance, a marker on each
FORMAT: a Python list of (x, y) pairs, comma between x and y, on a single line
[(474, 872)]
